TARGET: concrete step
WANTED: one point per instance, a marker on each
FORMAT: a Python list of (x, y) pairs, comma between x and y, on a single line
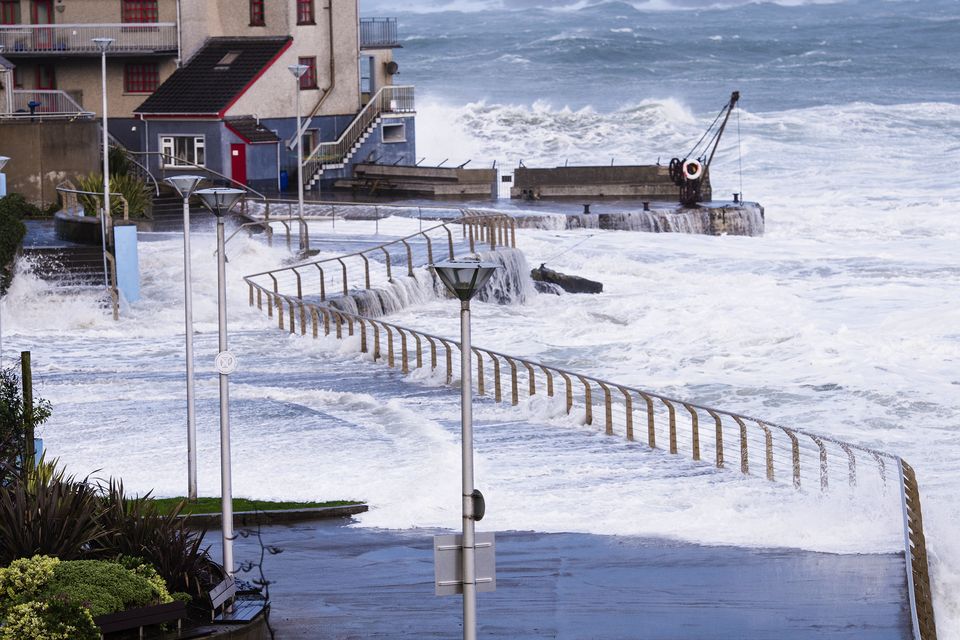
[(67, 265)]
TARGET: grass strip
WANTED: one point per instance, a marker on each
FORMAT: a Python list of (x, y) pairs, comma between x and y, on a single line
[(212, 505)]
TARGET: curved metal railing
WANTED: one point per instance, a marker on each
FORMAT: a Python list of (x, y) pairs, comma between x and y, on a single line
[(725, 439)]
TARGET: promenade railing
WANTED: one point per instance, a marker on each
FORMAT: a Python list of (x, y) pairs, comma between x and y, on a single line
[(721, 438)]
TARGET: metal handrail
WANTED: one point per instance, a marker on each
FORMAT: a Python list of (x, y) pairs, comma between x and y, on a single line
[(65, 39), (792, 444), (389, 99)]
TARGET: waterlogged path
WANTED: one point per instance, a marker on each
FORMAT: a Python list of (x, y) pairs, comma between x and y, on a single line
[(335, 581)]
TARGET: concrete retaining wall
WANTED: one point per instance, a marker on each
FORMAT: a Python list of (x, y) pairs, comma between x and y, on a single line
[(45, 153), (636, 181)]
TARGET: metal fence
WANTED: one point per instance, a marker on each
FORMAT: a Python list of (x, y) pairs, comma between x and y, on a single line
[(77, 39), (721, 438), (390, 99), (378, 32), (46, 102)]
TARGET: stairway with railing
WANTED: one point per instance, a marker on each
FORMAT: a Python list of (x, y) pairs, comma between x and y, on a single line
[(707, 435), (389, 100)]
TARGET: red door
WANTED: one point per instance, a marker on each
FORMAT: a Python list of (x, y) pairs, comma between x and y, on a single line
[(238, 163)]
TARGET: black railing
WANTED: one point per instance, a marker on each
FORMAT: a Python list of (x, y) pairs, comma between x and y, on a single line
[(378, 32)]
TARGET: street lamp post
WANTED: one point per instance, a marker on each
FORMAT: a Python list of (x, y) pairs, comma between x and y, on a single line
[(103, 44), (464, 278), (185, 186), (220, 201), (298, 71), (3, 192)]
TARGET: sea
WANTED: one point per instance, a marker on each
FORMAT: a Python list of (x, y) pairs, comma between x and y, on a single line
[(842, 318)]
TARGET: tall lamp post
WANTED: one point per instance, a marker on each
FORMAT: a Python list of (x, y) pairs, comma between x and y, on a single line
[(185, 186), (220, 202), (103, 44), (3, 192), (298, 71), (464, 278)]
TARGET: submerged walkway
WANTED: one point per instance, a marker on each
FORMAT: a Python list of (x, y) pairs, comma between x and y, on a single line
[(335, 581)]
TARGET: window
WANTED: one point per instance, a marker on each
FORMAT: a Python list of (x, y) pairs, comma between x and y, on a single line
[(305, 12), (141, 77), (140, 11), (46, 77), (257, 19), (309, 79), (17, 79), (394, 133), (228, 59), (366, 74), (183, 151), (9, 11)]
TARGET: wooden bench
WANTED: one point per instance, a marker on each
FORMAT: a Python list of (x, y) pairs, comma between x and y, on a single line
[(141, 617), (223, 598)]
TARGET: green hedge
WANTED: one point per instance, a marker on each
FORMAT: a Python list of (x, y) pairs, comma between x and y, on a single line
[(12, 208)]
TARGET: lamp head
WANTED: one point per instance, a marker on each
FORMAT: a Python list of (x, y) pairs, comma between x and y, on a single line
[(3, 161), (298, 70), (220, 199), (464, 277), (103, 43), (185, 185)]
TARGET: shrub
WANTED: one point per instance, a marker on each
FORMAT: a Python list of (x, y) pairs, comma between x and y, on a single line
[(132, 188), (23, 580), (13, 427), (47, 512), (119, 161), (12, 231), (101, 586), (136, 528), (54, 619)]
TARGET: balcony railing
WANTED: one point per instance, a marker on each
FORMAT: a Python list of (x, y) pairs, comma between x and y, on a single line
[(378, 32), (45, 103), (76, 39)]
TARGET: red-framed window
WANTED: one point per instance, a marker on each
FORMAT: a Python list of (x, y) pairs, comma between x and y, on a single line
[(309, 79), (9, 11), (140, 11), (257, 16), (305, 12), (141, 77), (46, 77)]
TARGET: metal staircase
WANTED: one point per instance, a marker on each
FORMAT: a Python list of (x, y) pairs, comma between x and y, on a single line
[(390, 100)]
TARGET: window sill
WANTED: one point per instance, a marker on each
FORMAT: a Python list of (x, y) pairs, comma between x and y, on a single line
[(312, 23)]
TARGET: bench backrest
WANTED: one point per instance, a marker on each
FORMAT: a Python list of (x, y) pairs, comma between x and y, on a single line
[(223, 592)]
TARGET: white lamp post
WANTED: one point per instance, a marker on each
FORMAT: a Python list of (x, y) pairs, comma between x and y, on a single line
[(298, 71), (185, 186), (103, 44), (3, 192), (464, 278), (220, 201)]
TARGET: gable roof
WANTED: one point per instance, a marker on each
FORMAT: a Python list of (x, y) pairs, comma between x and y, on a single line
[(219, 73)]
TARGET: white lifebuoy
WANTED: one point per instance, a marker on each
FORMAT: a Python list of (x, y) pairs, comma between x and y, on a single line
[(692, 169)]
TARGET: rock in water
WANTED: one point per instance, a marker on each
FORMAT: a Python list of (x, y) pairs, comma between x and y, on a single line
[(571, 284)]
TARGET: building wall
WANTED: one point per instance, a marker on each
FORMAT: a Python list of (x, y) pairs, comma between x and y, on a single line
[(81, 78), (274, 94), (102, 11), (44, 154)]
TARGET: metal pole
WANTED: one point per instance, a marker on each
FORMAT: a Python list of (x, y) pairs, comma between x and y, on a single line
[(226, 490), (106, 166), (188, 319), (26, 380), (299, 163), (466, 417)]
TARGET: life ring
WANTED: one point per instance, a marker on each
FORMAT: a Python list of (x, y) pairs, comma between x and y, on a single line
[(692, 169)]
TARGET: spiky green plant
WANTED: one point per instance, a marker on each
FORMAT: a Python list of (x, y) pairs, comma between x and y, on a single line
[(47, 512), (133, 189)]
